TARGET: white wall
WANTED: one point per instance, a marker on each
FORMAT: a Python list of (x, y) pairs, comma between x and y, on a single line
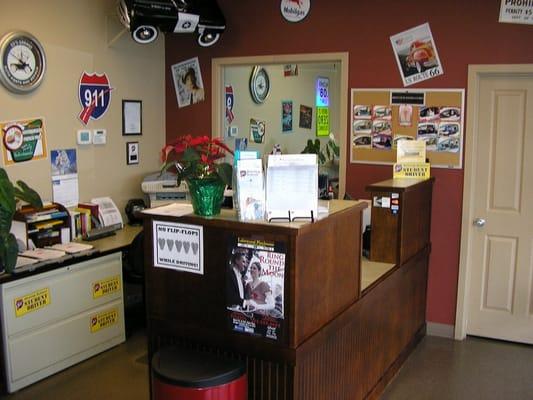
[(300, 89), (75, 36)]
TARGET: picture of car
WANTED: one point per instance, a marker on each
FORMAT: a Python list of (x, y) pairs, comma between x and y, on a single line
[(364, 140), (362, 111), (448, 144), (381, 126), (145, 19), (381, 112), (362, 125), (448, 129), (452, 113), (431, 141), (426, 129), (382, 141), (429, 113), (421, 56)]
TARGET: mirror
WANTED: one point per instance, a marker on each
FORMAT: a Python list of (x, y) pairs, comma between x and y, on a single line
[(273, 101)]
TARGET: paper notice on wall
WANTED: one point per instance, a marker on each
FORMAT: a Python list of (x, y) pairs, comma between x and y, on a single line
[(516, 12)]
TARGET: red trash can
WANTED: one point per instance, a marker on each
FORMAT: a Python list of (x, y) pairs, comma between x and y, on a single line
[(183, 374)]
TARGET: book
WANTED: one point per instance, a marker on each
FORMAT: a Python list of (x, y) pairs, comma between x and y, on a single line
[(93, 207), (43, 254), (72, 247)]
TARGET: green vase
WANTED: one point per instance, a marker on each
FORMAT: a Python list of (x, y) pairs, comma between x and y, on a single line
[(206, 196)]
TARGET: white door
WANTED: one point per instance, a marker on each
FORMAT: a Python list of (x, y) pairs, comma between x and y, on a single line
[(499, 235)]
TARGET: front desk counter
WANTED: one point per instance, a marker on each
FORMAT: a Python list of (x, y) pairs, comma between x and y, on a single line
[(347, 326), (56, 315)]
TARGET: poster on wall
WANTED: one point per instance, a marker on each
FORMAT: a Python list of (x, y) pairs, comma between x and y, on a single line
[(286, 116), (178, 246), (64, 176), (230, 102), (322, 121), (23, 140), (257, 130), (255, 296), (416, 55), (188, 82), (516, 12), (94, 94), (306, 116)]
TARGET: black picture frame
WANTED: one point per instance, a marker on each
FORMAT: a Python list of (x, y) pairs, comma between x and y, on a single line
[(132, 117), (132, 153)]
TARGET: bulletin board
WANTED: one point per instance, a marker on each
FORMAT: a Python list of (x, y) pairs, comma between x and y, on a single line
[(381, 117)]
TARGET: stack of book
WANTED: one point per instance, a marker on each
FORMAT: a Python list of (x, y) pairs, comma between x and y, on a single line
[(83, 218)]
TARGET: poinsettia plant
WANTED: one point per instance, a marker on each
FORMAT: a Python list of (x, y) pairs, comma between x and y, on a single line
[(197, 157)]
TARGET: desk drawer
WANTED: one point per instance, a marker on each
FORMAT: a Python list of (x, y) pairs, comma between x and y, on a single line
[(58, 346), (46, 298)]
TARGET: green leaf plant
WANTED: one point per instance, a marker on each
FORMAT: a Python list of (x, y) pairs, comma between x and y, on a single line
[(9, 194)]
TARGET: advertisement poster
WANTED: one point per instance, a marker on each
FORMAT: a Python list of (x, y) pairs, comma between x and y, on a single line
[(306, 116), (65, 177), (257, 130), (188, 82), (178, 246), (322, 121), (23, 140), (255, 287), (416, 55), (516, 12), (286, 116)]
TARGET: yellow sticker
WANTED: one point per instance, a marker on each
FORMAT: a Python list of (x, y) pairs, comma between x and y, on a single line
[(103, 320), (414, 170), (106, 286), (32, 302)]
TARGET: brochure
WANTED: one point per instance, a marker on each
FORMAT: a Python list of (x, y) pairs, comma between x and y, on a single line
[(250, 186)]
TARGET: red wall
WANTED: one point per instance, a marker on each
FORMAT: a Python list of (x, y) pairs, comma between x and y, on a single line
[(465, 32)]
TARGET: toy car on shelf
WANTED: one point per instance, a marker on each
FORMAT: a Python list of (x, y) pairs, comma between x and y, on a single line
[(145, 19)]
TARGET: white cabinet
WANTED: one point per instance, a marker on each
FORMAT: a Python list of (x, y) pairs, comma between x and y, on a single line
[(53, 320)]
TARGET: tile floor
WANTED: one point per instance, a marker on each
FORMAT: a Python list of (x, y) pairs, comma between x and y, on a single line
[(438, 369)]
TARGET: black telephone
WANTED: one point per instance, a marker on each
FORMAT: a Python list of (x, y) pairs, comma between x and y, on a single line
[(133, 207)]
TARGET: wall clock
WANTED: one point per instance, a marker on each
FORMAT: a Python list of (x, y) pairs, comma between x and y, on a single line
[(259, 84), (23, 62)]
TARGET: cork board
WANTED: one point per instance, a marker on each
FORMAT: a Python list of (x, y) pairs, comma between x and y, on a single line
[(381, 117)]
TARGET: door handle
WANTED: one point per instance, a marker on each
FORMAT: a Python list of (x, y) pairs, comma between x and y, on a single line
[(479, 222)]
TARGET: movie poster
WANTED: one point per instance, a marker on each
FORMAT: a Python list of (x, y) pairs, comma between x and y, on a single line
[(255, 287)]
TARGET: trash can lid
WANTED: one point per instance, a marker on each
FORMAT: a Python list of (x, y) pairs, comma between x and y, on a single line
[(189, 368)]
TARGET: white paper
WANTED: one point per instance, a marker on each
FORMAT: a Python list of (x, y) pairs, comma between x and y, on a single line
[(132, 117), (172, 209), (292, 186), (65, 190), (178, 246)]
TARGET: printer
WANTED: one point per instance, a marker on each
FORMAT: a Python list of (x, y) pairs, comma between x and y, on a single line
[(162, 188)]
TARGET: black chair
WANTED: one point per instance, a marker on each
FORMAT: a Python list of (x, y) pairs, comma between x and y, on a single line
[(134, 290)]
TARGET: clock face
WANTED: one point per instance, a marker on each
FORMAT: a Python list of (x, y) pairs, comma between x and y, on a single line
[(23, 62), (259, 84)]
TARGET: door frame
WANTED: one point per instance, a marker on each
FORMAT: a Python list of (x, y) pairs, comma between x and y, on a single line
[(475, 74)]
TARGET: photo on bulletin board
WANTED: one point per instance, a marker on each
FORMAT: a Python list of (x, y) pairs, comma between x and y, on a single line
[(132, 153), (132, 117), (382, 117)]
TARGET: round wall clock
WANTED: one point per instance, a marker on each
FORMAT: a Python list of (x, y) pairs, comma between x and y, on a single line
[(23, 62), (259, 84)]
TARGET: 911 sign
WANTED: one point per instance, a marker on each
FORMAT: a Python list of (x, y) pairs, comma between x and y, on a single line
[(95, 95)]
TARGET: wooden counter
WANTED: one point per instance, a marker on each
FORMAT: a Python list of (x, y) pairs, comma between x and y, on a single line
[(347, 327)]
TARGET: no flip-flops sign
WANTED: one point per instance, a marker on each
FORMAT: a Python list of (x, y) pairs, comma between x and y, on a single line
[(178, 246)]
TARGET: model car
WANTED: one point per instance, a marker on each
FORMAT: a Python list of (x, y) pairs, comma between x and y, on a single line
[(421, 56), (448, 129), (426, 129), (450, 113), (145, 19)]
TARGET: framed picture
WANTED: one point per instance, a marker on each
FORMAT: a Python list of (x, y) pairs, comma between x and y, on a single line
[(132, 117), (132, 153)]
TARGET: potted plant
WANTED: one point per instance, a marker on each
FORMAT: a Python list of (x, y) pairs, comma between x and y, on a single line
[(326, 154), (198, 161), (9, 194)]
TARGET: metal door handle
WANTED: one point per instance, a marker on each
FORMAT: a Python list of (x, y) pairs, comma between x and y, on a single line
[(479, 222)]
